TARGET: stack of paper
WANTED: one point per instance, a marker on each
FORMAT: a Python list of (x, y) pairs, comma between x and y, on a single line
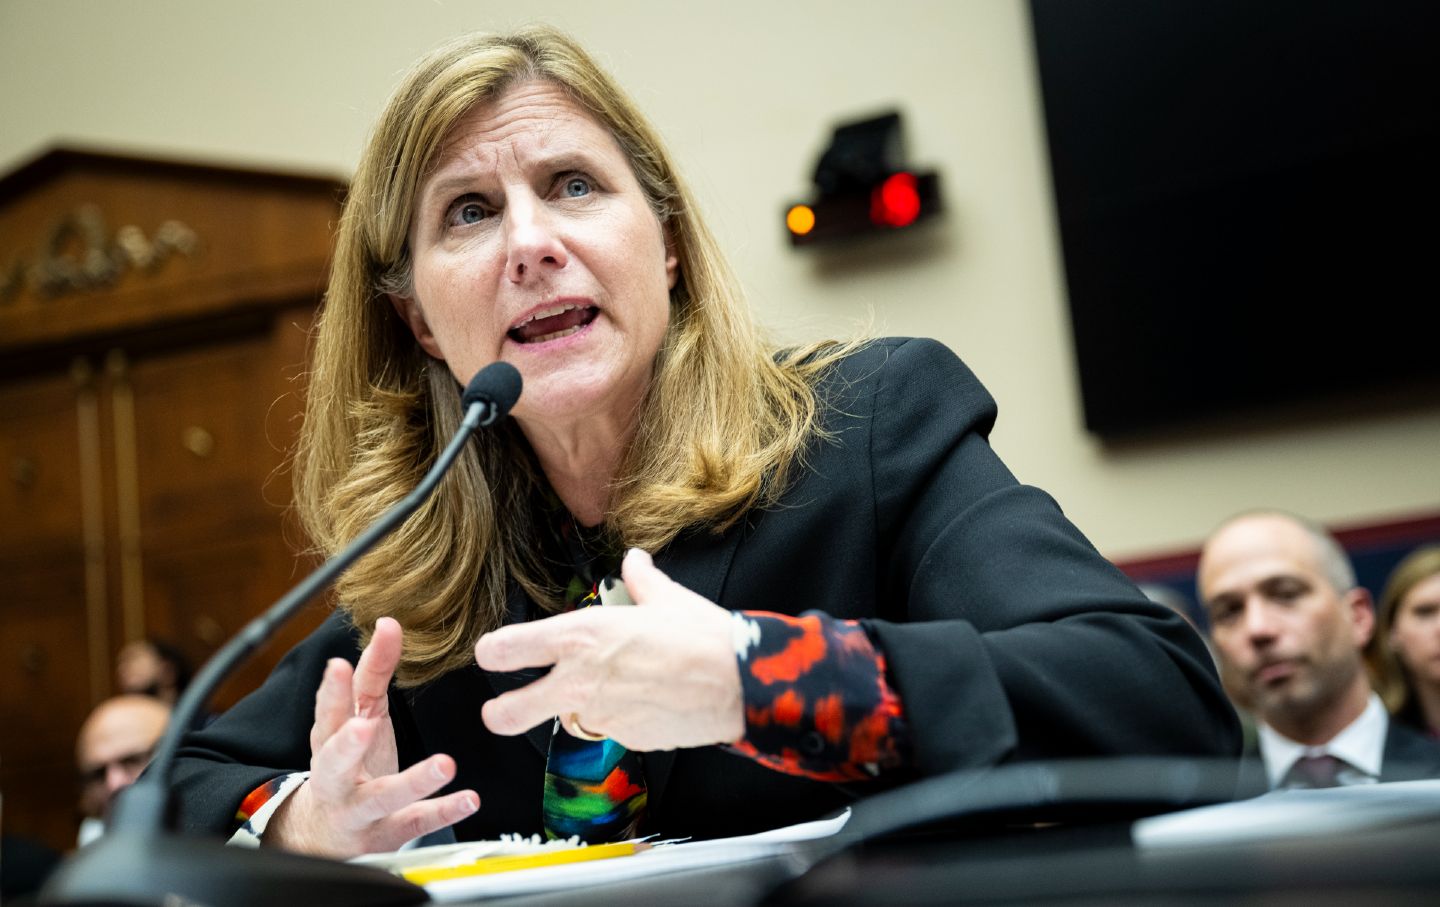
[(452, 872)]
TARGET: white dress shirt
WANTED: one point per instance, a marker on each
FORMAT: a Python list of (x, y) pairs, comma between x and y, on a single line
[(1361, 746)]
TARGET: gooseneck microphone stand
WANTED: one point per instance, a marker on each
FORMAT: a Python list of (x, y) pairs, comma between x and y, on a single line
[(140, 861)]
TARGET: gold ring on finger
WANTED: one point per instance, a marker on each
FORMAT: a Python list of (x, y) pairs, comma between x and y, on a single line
[(574, 728)]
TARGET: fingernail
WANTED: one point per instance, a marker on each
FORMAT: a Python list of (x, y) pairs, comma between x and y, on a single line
[(471, 804), (437, 771)]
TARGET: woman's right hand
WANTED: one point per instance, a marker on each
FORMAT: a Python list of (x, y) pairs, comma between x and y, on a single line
[(355, 801)]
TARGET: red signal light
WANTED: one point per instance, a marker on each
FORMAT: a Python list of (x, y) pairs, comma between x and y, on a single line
[(896, 201)]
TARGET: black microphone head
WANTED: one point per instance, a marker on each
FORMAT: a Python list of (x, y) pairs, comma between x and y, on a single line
[(497, 385)]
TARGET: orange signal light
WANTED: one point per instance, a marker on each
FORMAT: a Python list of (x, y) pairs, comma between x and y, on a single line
[(800, 219)]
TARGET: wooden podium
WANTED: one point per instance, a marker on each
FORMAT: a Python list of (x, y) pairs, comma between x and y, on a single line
[(153, 329)]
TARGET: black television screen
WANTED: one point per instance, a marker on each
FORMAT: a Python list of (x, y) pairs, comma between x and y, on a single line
[(1247, 193)]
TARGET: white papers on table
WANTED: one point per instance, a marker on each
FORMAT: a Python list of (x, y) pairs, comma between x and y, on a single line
[(445, 855), (659, 859)]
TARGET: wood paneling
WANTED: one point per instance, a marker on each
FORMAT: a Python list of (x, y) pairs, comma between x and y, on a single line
[(146, 411)]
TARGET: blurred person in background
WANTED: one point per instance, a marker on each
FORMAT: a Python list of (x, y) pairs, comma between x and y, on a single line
[(1405, 654), (114, 746), (152, 667), (1290, 626)]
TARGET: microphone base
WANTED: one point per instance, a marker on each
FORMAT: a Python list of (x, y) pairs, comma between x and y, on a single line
[(134, 869)]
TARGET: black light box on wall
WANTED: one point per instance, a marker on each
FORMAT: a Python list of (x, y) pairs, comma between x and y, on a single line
[(1248, 195)]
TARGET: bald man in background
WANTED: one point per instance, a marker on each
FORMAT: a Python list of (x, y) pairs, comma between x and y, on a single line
[(114, 746), (1289, 625)]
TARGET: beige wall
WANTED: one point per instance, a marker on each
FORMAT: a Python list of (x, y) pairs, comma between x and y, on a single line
[(745, 91)]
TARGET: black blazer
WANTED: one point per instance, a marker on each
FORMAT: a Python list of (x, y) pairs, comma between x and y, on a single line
[(1006, 635), (1408, 756)]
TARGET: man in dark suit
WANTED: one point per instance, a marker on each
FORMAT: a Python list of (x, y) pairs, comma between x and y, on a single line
[(1288, 624)]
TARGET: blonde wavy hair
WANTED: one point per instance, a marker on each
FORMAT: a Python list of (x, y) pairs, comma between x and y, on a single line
[(1391, 678), (725, 420)]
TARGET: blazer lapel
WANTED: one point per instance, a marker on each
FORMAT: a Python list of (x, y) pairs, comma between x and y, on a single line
[(516, 608), (1409, 755), (700, 562)]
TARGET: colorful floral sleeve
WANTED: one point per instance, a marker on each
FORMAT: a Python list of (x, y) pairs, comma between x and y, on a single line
[(817, 703), (259, 805)]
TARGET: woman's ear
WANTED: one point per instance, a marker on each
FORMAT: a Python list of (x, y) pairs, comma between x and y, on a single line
[(410, 313), (672, 259)]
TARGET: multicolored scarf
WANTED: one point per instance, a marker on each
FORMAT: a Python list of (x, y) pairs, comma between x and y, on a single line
[(594, 790)]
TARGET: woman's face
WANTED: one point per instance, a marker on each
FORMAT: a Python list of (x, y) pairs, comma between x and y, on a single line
[(532, 243), (1415, 635)]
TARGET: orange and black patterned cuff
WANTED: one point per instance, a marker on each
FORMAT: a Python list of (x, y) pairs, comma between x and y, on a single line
[(817, 703), (257, 807)]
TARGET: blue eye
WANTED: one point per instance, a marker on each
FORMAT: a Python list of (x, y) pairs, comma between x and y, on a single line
[(576, 186), (470, 213), (465, 211)]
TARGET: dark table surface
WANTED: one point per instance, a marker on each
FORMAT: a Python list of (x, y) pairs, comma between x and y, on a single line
[(1074, 864), (1061, 834), (1034, 834)]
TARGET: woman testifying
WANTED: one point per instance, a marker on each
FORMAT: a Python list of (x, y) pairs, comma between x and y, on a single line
[(848, 589)]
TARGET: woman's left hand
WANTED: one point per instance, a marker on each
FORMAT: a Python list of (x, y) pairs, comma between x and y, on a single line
[(658, 676)]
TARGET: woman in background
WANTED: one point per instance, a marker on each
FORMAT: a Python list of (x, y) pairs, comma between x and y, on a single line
[(1407, 641), (848, 589)]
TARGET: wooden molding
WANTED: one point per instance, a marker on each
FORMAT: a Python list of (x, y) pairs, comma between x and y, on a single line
[(93, 244)]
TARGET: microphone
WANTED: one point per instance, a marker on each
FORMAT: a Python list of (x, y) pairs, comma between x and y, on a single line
[(496, 387), (138, 862)]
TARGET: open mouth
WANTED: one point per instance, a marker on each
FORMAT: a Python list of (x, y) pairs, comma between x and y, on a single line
[(553, 323)]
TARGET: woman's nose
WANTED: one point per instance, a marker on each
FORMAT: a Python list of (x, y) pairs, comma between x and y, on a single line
[(533, 242)]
